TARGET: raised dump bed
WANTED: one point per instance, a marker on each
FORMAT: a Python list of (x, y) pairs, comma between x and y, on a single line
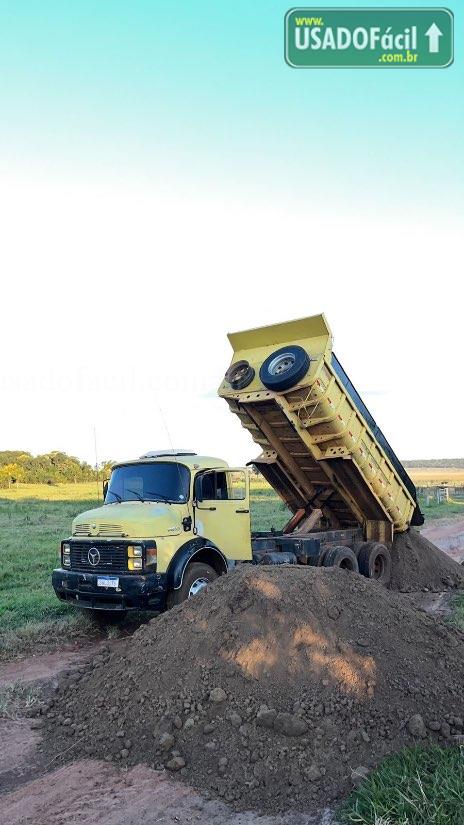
[(321, 448)]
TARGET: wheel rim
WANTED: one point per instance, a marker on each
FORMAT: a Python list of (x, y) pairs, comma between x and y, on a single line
[(240, 372), (196, 586), (346, 564), (281, 363)]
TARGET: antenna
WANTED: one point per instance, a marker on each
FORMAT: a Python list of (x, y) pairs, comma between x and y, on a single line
[(172, 448), (96, 460)]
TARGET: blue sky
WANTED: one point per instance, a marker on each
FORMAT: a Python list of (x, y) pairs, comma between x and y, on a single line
[(202, 91), (164, 174)]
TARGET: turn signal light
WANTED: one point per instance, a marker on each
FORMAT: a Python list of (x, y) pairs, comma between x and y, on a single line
[(151, 557)]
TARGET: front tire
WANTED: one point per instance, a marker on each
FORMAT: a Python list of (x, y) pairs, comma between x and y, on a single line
[(197, 576)]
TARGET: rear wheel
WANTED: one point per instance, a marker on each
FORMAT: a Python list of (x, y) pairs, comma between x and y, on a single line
[(342, 557), (375, 562), (197, 576)]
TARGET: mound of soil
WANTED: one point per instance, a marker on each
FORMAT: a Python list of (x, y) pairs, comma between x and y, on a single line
[(419, 565), (268, 689)]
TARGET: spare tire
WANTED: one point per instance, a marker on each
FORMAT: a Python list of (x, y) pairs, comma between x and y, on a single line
[(341, 557), (284, 368), (239, 375), (375, 562)]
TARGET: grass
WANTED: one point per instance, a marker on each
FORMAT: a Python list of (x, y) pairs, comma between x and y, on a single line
[(457, 616), (414, 787), (447, 509), (17, 699), (31, 528)]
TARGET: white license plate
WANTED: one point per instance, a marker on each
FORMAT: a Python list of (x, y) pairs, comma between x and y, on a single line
[(108, 581)]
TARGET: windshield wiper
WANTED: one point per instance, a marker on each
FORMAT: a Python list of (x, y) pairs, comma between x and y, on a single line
[(116, 495), (162, 497), (135, 494)]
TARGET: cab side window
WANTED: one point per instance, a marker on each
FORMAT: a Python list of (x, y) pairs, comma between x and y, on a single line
[(221, 485)]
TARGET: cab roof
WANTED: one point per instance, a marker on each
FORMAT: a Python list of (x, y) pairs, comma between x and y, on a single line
[(191, 460)]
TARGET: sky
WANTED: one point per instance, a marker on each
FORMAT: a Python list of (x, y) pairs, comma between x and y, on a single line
[(166, 178)]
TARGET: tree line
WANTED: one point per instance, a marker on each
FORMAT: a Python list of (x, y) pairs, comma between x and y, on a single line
[(51, 468), (446, 463)]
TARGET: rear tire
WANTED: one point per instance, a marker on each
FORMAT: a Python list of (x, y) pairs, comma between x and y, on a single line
[(342, 557), (375, 562), (197, 576)]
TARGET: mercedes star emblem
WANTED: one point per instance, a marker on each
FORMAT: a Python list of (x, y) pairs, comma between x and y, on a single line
[(93, 556)]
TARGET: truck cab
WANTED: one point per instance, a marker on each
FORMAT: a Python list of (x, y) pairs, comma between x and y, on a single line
[(171, 522)]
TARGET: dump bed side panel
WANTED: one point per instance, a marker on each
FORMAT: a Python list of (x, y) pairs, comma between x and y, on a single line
[(417, 517), (321, 447)]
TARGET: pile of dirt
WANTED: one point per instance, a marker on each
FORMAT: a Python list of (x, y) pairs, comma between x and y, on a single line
[(419, 565), (269, 689)]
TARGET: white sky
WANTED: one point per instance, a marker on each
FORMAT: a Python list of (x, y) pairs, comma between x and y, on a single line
[(117, 297)]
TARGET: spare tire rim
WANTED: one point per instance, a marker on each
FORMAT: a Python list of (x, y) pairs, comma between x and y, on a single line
[(239, 372), (281, 363), (196, 586)]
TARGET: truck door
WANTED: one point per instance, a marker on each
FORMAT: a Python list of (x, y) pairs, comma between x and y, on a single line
[(222, 510)]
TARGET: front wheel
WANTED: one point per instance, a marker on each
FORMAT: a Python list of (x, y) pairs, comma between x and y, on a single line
[(197, 576)]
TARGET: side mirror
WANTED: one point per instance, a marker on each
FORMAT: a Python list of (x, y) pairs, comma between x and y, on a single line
[(105, 489)]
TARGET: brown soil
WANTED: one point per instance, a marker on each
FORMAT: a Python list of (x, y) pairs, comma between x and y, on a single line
[(17, 751), (267, 689), (44, 668), (420, 565), (90, 791)]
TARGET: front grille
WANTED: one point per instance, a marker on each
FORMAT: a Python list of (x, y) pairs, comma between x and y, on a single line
[(99, 530), (113, 557)]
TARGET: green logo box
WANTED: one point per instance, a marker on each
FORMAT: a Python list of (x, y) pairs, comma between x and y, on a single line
[(369, 38)]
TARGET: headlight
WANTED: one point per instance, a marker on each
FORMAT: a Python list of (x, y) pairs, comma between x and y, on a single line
[(133, 551), (135, 564), (66, 555)]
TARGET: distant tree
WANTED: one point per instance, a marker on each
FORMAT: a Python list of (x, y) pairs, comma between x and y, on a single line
[(50, 468), (10, 474), (105, 469)]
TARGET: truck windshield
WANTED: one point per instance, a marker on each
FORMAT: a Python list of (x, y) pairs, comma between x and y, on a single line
[(149, 482)]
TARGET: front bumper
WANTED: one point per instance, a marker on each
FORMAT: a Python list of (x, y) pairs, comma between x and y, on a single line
[(146, 591)]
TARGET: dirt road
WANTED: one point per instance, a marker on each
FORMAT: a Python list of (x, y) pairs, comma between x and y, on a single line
[(448, 535)]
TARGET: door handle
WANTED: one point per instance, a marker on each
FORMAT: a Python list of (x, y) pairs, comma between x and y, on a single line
[(242, 511)]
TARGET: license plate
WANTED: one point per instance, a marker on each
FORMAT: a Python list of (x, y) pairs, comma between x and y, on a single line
[(108, 581)]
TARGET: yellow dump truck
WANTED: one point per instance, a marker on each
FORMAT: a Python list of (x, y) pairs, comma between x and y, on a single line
[(172, 521)]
